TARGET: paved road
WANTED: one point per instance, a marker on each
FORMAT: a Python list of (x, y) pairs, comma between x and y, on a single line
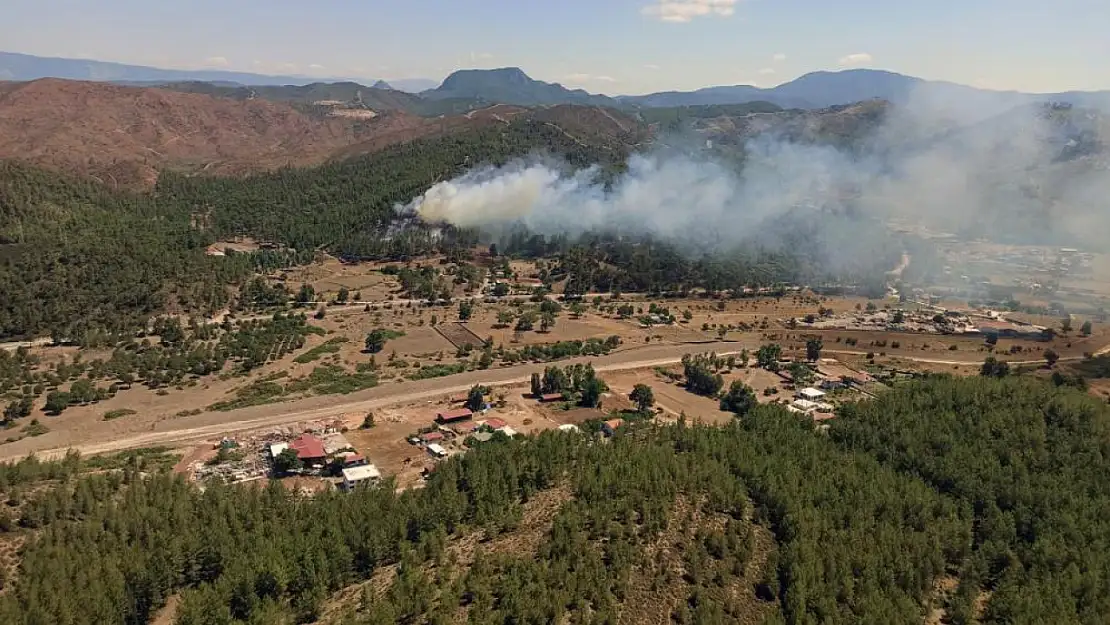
[(193, 429)]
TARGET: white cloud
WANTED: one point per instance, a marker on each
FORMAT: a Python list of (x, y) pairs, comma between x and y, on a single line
[(480, 56), (315, 67), (779, 58), (678, 11), (851, 60), (766, 71), (651, 66), (588, 78), (216, 61)]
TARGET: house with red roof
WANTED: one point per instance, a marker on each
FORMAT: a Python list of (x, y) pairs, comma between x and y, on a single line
[(494, 423), (308, 448), (453, 415)]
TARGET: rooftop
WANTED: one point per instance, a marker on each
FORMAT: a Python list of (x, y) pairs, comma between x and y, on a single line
[(359, 474), (495, 423), (454, 414), (308, 447)]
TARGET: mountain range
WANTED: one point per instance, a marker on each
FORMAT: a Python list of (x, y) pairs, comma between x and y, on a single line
[(473, 88)]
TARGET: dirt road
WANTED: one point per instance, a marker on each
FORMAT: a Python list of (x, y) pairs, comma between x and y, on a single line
[(172, 431)]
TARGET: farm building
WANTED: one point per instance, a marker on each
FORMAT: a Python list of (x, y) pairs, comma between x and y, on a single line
[(569, 427), (277, 448), (482, 437), (308, 448), (550, 397), (810, 393), (365, 474), (431, 437), (437, 450), (804, 405), (351, 459), (493, 424), (454, 415)]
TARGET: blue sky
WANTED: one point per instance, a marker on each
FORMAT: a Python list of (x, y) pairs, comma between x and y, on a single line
[(607, 46)]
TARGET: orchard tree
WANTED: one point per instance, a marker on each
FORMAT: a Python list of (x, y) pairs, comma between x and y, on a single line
[(375, 341), (1051, 357), (643, 397), (739, 400), (1085, 329), (466, 309), (476, 398), (994, 368), (56, 402), (768, 356), (813, 348), (286, 462)]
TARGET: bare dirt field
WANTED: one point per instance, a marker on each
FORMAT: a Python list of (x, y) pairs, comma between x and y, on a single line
[(330, 274)]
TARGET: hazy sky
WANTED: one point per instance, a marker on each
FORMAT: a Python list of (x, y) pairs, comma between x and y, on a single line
[(607, 46)]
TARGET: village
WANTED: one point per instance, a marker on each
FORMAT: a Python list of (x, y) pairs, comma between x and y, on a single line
[(344, 453)]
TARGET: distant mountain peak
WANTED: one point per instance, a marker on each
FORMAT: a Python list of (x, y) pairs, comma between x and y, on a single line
[(381, 84), (510, 85)]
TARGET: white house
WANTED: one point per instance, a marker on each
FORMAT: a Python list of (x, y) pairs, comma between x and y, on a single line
[(437, 450), (810, 393), (365, 474), (277, 448)]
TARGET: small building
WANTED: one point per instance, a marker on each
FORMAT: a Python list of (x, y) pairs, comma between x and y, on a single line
[(431, 437), (482, 437), (805, 405), (610, 427), (277, 448), (507, 431), (437, 450), (550, 397), (832, 384), (309, 448), (493, 424), (364, 474), (352, 459), (569, 427), (810, 393), (454, 415)]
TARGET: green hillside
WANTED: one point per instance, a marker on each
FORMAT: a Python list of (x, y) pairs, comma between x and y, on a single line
[(990, 490)]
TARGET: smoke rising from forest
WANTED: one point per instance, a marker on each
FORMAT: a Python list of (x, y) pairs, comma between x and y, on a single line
[(1018, 174)]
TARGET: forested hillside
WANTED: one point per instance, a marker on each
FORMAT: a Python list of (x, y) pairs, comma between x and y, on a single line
[(993, 485), (77, 256)]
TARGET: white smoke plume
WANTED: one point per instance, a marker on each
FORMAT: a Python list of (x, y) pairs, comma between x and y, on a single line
[(996, 172)]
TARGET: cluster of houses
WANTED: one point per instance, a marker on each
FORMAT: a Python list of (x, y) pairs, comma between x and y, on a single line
[(316, 453), (455, 423)]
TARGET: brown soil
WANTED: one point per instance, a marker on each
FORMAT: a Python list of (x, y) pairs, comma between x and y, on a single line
[(125, 135)]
